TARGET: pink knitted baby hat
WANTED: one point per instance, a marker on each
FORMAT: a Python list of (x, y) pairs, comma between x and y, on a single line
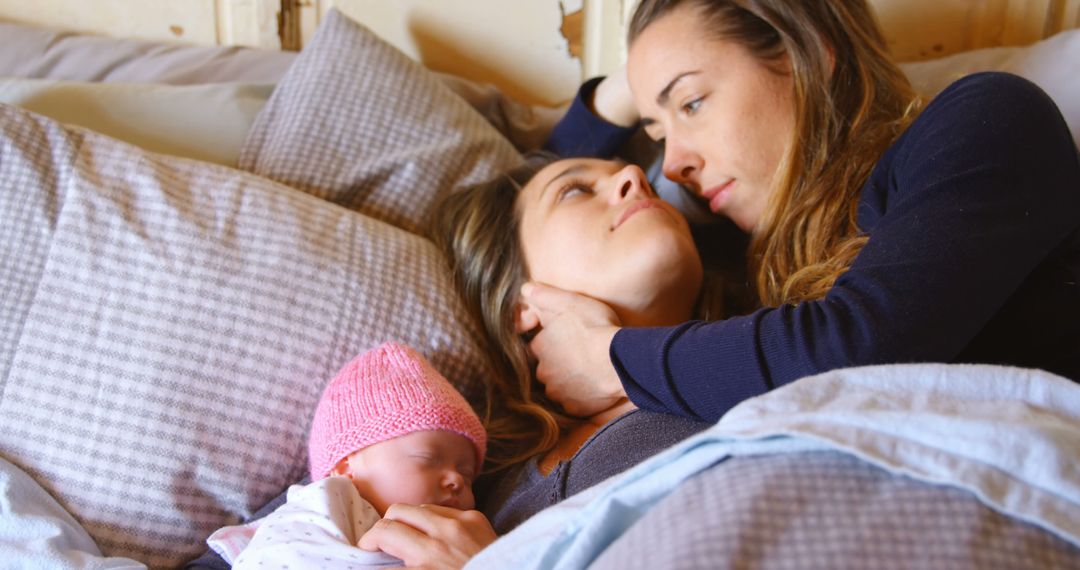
[(384, 393)]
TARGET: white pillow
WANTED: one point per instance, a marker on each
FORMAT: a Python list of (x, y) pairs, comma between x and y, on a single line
[(1053, 64), (32, 51), (205, 122), (38, 533)]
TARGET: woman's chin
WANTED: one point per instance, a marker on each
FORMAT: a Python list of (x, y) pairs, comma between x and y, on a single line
[(659, 298)]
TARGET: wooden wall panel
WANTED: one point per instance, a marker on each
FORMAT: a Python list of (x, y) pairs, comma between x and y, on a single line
[(915, 29), (1067, 15), (923, 29)]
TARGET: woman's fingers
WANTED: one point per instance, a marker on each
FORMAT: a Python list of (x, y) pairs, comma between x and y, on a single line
[(571, 349), (551, 302), (429, 536), (394, 538), (577, 373), (439, 521), (545, 300)]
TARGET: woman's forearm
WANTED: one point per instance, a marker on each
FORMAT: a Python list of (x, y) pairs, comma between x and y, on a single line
[(613, 102)]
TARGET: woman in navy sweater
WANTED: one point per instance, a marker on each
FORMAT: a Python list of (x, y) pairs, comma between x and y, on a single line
[(878, 233)]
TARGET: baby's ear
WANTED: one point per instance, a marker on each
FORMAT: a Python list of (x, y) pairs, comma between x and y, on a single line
[(525, 317), (342, 468)]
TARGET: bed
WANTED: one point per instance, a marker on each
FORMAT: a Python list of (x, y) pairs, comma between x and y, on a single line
[(195, 238)]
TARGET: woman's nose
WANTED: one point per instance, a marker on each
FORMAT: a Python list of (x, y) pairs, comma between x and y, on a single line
[(680, 164), (630, 181)]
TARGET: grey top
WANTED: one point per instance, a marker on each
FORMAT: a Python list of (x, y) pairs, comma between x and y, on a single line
[(620, 444)]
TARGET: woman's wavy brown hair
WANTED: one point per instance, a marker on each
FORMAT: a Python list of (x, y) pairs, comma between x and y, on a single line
[(479, 229), (851, 104)]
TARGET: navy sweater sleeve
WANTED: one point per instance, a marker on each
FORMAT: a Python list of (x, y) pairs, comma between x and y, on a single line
[(581, 133), (981, 188)]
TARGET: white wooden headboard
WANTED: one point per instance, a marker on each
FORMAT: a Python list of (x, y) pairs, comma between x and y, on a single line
[(535, 50)]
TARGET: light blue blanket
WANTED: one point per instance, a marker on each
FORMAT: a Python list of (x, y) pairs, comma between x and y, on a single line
[(1010, 436)]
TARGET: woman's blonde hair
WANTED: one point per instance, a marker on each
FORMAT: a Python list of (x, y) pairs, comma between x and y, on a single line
[(478, 228), (851, 104)]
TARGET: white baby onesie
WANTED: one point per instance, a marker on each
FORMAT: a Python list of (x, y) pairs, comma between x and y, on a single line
[(317, 527)]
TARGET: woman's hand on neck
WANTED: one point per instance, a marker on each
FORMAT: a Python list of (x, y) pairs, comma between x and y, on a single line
[(571, 349)]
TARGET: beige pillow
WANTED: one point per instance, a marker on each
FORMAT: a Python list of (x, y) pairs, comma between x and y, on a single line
[(1053, 64), (205, 122)]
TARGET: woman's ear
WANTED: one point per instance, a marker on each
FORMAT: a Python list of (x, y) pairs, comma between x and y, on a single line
[(525, 318)]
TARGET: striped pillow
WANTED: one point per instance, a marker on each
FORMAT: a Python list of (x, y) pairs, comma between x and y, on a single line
[(356, 122), (167, 326)]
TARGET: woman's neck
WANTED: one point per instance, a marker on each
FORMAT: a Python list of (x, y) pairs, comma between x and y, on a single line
[(659, 308), (653, 316), (572, 439), (621, 407)]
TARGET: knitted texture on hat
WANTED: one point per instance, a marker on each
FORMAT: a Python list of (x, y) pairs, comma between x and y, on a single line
[(384, 393)]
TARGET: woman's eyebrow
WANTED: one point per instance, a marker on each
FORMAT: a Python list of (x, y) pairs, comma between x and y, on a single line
[(665, 93)]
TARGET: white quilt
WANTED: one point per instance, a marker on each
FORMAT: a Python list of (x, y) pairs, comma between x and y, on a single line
[(37, 533)]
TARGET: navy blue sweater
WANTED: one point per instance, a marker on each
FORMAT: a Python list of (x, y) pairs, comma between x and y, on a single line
[(973, 218)]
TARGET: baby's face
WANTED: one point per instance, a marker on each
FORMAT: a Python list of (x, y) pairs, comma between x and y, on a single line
[(424, 467)]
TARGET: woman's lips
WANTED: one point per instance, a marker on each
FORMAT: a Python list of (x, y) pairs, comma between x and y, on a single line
[(717, 195), (634, 208)]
